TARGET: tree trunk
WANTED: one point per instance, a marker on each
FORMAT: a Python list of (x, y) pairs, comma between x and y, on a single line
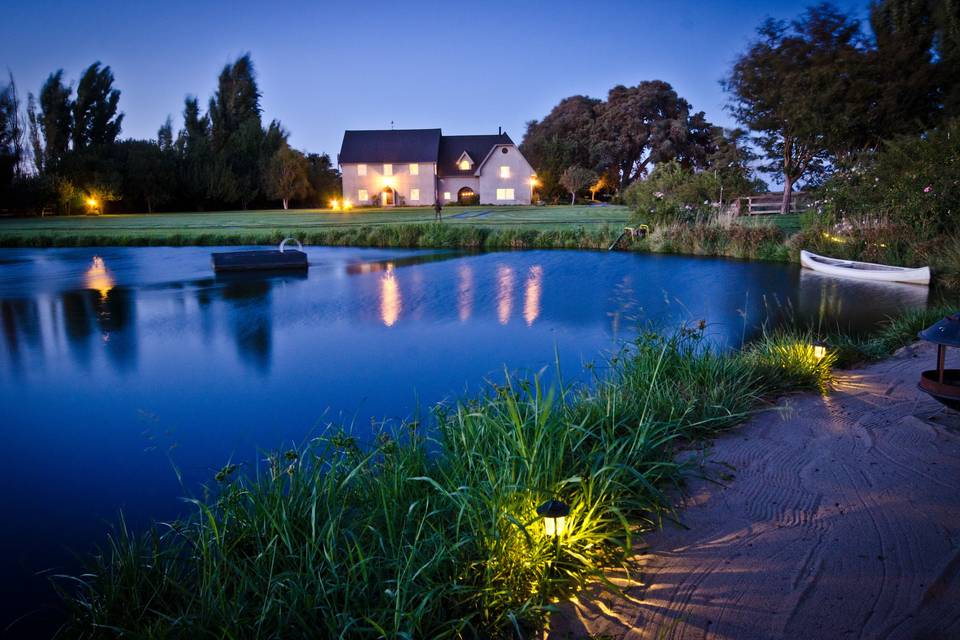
[(787, 193), (573, 198), (285, 202)]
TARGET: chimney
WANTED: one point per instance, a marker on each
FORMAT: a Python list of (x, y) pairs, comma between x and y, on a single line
[(499, 131)]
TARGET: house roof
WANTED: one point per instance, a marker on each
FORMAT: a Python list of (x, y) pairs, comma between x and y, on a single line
[(390, 145), (477, 147)]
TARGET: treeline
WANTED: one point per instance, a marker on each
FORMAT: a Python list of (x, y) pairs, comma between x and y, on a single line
[(604, 146), (60, 152), (814, 95)]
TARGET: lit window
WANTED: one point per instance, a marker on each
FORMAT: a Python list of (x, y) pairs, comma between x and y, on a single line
[(362, 194), (464, 165), (446, 195), (415, 194), (414, 169), (361, 169), (504, 194), (388, 169), (504, 171)]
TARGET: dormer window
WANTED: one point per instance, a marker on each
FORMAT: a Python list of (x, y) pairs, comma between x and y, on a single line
[(465, 162)]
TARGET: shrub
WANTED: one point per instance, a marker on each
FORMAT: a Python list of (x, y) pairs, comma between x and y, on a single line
[(912, 182)]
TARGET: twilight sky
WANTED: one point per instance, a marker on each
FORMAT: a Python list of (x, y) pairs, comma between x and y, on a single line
[(467, 67)]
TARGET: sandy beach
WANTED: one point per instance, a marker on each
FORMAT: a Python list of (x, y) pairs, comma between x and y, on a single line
[(830, 517)]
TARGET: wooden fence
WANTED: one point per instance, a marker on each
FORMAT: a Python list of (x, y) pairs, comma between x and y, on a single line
[(763, 204)]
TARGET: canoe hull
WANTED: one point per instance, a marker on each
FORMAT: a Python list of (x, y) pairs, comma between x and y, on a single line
[(864, 270)]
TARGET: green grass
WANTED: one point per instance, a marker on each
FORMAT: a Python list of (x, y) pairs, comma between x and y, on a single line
[(788, 223), (263, 227), (413, 538)]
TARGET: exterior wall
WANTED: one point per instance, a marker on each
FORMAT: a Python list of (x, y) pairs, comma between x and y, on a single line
[(453, 184), (519, 180), (402, 181)]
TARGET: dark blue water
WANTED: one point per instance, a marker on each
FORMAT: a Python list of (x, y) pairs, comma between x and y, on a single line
[(119, 365)]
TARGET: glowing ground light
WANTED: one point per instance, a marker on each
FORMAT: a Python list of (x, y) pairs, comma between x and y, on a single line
[(98, 278), (390, 300), (819, 349), (554, 514)]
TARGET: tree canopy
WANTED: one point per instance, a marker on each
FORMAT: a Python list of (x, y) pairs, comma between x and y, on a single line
[(619, 138)]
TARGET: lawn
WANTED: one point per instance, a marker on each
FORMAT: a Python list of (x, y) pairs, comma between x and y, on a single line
[(260, 223)]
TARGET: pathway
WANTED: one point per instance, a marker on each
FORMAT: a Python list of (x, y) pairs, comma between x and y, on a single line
[(842, 520)]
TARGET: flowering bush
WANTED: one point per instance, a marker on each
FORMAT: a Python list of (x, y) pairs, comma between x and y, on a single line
[(913, 182), (673, 194)]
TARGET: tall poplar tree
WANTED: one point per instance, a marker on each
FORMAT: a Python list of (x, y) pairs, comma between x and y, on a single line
[(96, 120)]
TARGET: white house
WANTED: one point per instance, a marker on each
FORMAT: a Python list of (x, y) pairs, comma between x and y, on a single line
[(418, 166)]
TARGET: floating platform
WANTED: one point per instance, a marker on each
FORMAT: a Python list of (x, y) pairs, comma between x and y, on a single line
[(281, 259)]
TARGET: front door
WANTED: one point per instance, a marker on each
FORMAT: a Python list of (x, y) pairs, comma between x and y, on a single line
[(386, 197)]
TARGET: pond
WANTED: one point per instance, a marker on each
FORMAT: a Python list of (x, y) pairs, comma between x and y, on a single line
[(128, 376)]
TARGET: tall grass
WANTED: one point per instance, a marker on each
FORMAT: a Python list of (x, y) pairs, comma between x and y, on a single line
[(893, 334), (433, 538)]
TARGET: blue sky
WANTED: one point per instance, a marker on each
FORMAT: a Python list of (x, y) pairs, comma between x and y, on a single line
[(467, 67)]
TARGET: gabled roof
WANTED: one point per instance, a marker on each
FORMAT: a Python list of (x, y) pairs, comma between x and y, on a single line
[(477, 147), (390, 145)]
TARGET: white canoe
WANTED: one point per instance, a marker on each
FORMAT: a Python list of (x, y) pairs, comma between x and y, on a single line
[(864, 270)]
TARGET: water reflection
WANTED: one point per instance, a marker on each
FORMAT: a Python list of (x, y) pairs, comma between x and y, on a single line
[(828, 302), (531, 302), (390, 300), (465, 292), (98, 277), (504, 293)]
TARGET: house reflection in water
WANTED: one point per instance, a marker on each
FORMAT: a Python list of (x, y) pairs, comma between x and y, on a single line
[(531, 303), (390, 298), (504, 293), (465, 292)]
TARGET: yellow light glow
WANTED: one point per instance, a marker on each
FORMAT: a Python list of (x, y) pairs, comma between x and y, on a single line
[(335, 205), (390, 300), (464, 165), (347, 205), (533, 181), (388, 181), (531, 302), (554, 527), (819, 351), (504, 293), (833, 238), (98, 278), (91, 202)]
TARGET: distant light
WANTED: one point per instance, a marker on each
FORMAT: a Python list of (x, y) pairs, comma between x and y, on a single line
[(347, 205), (91, 202), (335, 205)]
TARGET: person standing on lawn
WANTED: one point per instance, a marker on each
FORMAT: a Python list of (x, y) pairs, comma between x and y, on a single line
[(438, 207)]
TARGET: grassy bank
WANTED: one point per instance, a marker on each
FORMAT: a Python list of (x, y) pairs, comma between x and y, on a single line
[(420, 538), (319, 226)]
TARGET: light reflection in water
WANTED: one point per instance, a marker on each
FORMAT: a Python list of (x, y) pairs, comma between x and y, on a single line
[(504, 293), (465, 292), (531, 303), (390, 300), (98, 278)]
